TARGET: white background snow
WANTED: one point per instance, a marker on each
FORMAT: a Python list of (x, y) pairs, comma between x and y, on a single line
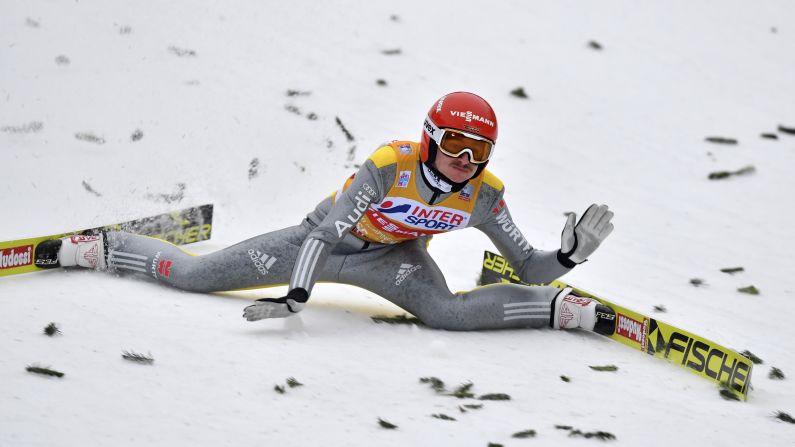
[(624, 126)]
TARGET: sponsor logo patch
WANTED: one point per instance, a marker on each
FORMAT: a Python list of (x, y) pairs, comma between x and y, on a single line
[(500, 265), (155, 262), (702, 356), (362, 201), (186, 234), (566, 315), (405, 148), (92, 256), (389, 207), (469, 117), (404, 271), (466, 193), (430, 128), (566, 309), (630, 328), (403, 179), (368, 189), (577, 300), (499, 207), (164, 268), (414, 214), (262, 261), (507, 225), (16, 256), (83, 238)]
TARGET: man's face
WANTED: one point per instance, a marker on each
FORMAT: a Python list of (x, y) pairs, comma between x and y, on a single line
[(457, 169)]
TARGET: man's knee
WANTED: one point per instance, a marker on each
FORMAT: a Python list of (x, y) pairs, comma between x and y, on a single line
[(445, 313), (186, 274)]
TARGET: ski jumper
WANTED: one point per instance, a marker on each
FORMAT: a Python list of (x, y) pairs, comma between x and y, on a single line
[(372, 233)]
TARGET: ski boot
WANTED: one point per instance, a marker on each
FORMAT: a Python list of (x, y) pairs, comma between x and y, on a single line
[(572, 311), (80, 250)]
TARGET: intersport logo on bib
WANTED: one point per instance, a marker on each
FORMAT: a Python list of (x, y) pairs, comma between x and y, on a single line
[(422, 217)]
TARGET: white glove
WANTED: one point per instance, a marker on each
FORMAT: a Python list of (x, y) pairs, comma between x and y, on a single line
[(579, 241), (282, 307)]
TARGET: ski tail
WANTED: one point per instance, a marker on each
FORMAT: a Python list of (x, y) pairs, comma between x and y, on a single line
[(697, 354), (179, 227)]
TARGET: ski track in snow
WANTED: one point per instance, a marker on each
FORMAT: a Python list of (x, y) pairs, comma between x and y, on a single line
[(207, 83)]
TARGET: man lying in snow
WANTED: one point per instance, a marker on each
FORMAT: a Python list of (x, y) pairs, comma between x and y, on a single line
[(374, 232)]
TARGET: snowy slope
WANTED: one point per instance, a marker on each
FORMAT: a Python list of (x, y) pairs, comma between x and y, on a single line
[(206, 82)]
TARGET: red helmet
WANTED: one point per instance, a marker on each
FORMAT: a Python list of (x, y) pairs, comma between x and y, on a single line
[(463, 111)]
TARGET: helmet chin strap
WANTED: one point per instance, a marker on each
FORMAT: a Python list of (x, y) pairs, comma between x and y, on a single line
[(438, 182)]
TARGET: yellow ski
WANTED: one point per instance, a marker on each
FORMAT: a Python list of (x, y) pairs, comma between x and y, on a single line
[(180, 227), (652, 336)]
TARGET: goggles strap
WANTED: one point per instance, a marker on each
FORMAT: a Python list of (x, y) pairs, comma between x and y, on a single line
[(434, 132)]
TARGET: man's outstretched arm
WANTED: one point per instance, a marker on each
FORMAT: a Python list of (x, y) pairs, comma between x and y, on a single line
[(536, 266)]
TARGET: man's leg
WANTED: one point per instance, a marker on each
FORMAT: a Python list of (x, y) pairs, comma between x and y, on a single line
[(264, 260), (407, 276)]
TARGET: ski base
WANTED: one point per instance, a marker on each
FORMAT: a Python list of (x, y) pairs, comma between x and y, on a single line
[(652, 336)]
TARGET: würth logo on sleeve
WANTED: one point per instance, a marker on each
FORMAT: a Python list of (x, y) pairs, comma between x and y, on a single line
[(16, 256), (507, 225)]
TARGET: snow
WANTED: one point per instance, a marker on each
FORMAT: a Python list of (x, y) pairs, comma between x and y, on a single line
[(623, 126)]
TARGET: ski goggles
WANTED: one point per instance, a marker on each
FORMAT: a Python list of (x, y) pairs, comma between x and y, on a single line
[(455, 143)]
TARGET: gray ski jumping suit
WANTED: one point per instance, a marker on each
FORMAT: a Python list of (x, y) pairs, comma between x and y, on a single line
[(373, 233)]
